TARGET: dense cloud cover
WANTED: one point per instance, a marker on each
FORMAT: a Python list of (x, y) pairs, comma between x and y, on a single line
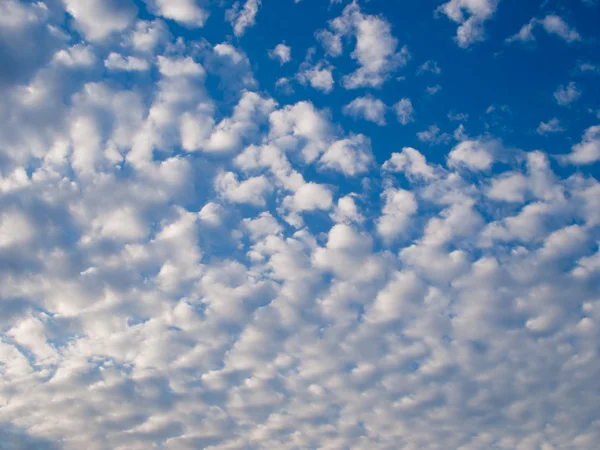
[(202, 248)]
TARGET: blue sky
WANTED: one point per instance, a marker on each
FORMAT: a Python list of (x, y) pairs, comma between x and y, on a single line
[(299, 224)]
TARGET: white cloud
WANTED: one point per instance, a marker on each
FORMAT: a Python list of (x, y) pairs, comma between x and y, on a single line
[(347, 211), (301, 126), (310, 197), (473, 154), (120, 224), (432, 90), (351, 156), (15, 229), (556, 25), (585, 67), (393, 302), (263, 226), (375, 49), (281, 52), (471, 16), (404, 111), (552, 24), (552, 126), (228, 135), (94, 141), (241, 296), (31, 334), (146, 35), (115, 61), (510, 187), (433, 135), (368, 108), (457, 116), (176, 67), (331, 42), (588, 150), (319, 76), (211, 214), (399, 207), (284, 85), (252, 191), (98, 19), (347, 255), (525, 34), (188, 13), (411, 162), (232, 66), (243, 17), (79, 55), (430, 66), (566, 95), (181, 92)]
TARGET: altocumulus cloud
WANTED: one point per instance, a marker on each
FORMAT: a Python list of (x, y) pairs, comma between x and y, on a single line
[(189, 261)]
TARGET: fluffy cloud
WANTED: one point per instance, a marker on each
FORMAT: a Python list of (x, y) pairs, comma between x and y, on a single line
[(310, 197), (433, 135), (588, 150), (588, 67), (411, 162), (16, 229), (319, 76), (78, 55), (350, 156), (146, 36), (252, 190), (404, 111), (281, 52), (98, 19), (566, 95), (399, 206), (232, 66), (347, 211), (301, 126), (189, 13), (230, 133), (243, 17), (114, 61), (375, 49), (368, 108), (473, 154), (430, 66), (552, 24), (471, 16), (552, 126)]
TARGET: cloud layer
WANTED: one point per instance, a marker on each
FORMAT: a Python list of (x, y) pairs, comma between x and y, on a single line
[(188, 261)]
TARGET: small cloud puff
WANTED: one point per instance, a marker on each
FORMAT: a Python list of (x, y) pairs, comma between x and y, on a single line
[(565, 95), (552, 24), (243, 17), (375, 50), (319, 76), (405, 111), (588, 150), (188, 13), (368, 108), (115, 61), (471, 25), (552, 126), (282, 53)]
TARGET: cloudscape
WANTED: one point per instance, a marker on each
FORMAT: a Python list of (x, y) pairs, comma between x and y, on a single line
[(299, 224)]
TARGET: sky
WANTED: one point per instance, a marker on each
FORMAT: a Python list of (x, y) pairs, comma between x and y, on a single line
[(299, 224)]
